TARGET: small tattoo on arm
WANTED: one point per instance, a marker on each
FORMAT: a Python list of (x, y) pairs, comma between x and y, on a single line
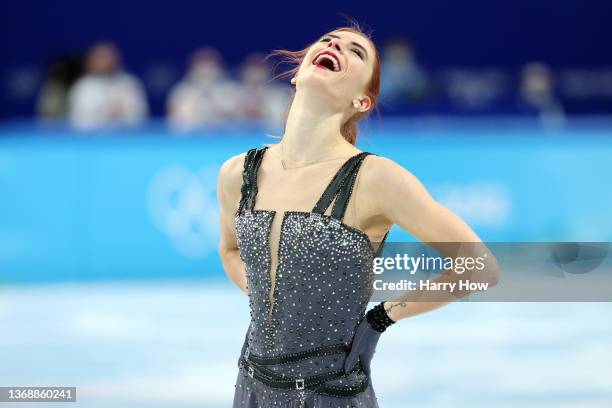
[(388, 308)]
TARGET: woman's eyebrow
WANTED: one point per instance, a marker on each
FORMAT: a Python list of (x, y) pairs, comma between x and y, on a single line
[(353, 43)]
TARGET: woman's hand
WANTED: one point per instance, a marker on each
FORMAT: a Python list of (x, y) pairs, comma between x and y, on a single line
[(364, 345), (366, 338)]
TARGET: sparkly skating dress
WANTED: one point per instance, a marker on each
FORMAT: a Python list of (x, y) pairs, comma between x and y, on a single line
[(296, 345)]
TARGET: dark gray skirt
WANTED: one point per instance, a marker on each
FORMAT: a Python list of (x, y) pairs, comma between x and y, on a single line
[(251, 393)]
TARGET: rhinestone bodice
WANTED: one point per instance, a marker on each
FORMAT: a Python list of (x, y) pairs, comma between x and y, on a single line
[(323, 277)]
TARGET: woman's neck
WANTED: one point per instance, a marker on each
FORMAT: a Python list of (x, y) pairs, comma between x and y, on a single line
[(312, 131)]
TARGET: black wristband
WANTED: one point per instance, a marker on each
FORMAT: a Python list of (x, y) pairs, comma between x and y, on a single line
[(378, 319)]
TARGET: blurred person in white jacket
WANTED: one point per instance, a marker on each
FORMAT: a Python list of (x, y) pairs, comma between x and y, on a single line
[(261, 99), (106, 95), (205, 95)]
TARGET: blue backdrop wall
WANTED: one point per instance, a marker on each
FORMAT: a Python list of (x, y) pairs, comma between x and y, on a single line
[(133, 204)]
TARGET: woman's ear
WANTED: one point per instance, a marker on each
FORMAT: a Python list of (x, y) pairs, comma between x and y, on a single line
[(363, 104)]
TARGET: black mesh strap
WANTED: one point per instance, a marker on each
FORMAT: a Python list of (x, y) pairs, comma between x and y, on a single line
[(253, 192), (344, 391), (255, 367), (246, 182), (248, 191), (335, 185), (346, 189), (302, 355), (316, 382)]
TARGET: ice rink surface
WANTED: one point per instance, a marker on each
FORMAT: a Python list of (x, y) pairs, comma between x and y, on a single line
[(175, 344)]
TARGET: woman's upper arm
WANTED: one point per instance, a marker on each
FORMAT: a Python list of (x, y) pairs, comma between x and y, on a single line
[(229, 183), (403, 200)]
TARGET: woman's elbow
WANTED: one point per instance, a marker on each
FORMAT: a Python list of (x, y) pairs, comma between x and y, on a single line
[(492, 272)]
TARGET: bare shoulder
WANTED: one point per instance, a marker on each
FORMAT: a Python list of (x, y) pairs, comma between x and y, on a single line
[(391, 192), (390, 188), (232, 167), (230, 177), (379, 172)]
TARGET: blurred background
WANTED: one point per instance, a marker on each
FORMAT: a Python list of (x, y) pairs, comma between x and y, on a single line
[(116, 116)]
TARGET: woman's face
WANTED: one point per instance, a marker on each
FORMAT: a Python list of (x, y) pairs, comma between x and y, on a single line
[(341, 64)]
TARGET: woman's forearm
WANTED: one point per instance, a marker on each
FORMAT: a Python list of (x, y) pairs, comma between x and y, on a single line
[(424, 300), (449, 286), (421, 300)]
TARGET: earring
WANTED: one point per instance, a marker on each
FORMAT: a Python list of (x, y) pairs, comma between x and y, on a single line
[(356, 103), (293, 80)]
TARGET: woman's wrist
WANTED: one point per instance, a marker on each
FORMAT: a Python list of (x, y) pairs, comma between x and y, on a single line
[(378, 318), (393, 311)]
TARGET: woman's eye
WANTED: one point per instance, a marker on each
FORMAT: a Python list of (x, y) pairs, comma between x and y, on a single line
[(355, 50)]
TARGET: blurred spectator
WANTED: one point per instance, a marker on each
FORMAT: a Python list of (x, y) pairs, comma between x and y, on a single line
[(537, 94), (404, 82), (205, 95), (260, 98), (476, 90), (106, 94), (52, 100)]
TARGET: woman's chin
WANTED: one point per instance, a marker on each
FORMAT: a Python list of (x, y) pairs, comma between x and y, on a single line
[(320, 82)]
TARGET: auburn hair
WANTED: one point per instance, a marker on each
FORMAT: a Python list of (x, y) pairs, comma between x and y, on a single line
[(349, 129)]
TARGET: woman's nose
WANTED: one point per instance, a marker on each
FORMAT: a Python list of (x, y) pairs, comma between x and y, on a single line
[(334, 43)]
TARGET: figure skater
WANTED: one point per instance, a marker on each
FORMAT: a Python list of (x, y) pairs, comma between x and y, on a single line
[(299, 219)]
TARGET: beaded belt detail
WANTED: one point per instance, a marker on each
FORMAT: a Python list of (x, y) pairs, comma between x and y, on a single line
[(294, 357), (255, 368)]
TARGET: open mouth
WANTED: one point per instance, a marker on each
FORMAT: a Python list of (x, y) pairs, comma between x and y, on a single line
[(327, 60)]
